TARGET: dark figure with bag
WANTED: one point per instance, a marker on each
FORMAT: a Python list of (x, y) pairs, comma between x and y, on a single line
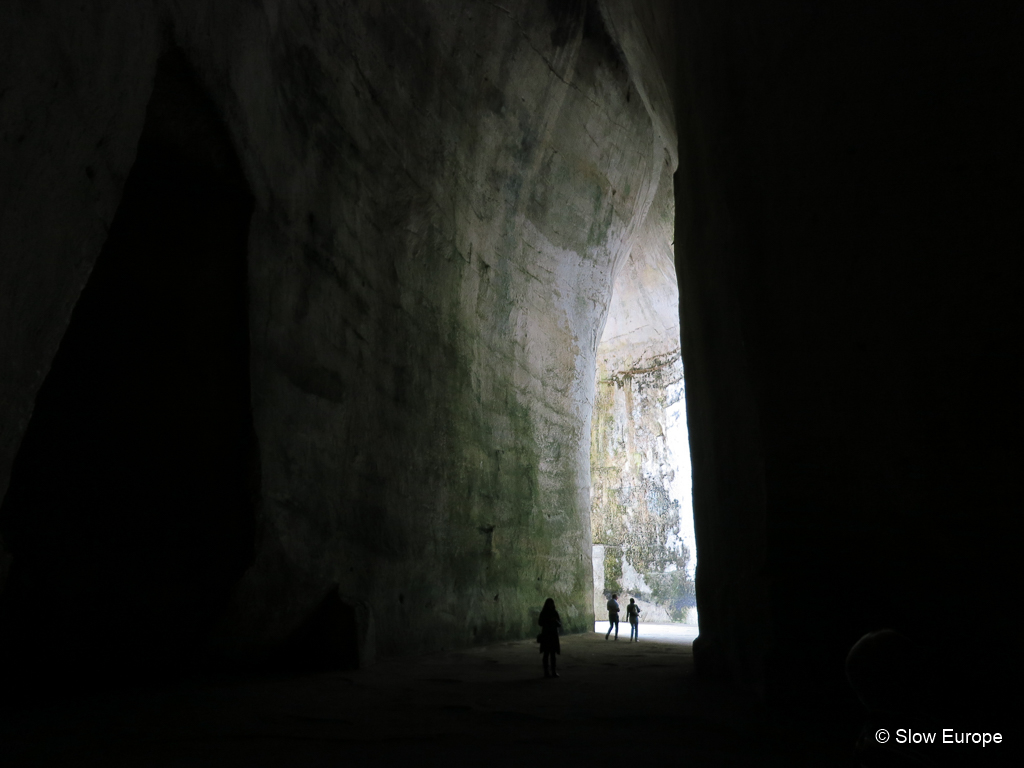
[(550, 623)]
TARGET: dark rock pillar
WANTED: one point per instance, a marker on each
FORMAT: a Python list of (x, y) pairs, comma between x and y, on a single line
[(848, 226)]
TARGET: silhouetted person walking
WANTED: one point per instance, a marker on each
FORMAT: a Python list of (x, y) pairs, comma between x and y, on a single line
[(613, 617), (633, 617), (550, 623)]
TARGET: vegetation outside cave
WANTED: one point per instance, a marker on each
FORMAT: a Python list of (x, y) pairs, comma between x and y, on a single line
[(636, 512)]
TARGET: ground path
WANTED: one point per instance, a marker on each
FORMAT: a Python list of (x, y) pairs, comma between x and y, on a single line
[(616, 703)]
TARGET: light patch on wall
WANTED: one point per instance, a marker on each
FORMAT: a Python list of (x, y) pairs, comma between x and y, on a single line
[(641, 508)]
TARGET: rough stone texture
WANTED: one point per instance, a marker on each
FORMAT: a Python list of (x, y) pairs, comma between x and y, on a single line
[(643, 316), (443, 192), (640, 375), (442, 195), (597, 560), (633, 511)]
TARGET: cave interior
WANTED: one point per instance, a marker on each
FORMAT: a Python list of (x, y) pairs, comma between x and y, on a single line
[(301, 332)]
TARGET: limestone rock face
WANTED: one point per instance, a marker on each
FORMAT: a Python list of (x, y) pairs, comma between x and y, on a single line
[(438, 197), (643, 317), (442, 195), (639, 376)]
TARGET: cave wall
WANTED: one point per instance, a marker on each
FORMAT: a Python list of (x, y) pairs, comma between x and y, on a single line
[(131, 499), (442, 194), (848, 197)]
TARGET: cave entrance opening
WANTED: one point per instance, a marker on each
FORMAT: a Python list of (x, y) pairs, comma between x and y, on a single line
[(130, 512), (641, 507)]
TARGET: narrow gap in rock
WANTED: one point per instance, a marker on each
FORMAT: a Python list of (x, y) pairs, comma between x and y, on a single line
[(641, 509)]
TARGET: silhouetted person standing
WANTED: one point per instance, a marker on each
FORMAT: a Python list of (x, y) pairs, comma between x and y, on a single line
[(613, 617), (633, 617), (550, 623)]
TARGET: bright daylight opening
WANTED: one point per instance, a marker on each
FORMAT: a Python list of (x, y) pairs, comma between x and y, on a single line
[(641, 507)]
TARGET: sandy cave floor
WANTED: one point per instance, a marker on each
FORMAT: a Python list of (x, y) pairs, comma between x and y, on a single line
[(616, 703)]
